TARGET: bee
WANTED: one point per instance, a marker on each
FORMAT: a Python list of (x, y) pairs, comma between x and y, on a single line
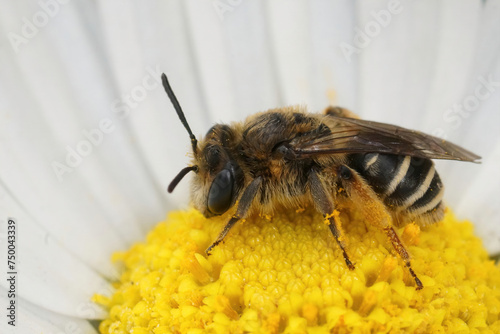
[(290, 158)]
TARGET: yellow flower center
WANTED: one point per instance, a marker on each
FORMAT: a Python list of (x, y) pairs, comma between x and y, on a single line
[(286, 274)]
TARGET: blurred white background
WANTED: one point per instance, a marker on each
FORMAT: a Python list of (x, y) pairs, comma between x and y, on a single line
[(89, 141)]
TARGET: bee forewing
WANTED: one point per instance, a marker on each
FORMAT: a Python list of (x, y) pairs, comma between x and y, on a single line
[(350, 135)]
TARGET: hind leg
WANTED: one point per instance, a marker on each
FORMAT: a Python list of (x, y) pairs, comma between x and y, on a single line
[(375, 213)]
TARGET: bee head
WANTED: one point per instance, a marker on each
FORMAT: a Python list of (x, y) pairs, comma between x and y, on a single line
[(218, 178)]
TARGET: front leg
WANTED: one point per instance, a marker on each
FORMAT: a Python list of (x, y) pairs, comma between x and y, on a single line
[(324, 203), (375, 212), (243, 207)]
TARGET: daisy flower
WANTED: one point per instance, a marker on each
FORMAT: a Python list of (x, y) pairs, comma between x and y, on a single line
[(89, 142)]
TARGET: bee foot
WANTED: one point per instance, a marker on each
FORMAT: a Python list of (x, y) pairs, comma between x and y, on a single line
[(417, 280), (348, 262), (208, 252)]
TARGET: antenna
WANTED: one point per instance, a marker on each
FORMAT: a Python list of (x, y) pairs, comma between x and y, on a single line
[(178, 109), (179, 177)]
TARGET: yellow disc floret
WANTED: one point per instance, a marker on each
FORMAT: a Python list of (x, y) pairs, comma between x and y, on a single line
[(286, 274)]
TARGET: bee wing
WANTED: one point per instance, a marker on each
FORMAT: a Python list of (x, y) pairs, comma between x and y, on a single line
[(349, 135)]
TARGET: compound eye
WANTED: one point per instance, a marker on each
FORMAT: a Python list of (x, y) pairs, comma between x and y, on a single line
[(221, 192)]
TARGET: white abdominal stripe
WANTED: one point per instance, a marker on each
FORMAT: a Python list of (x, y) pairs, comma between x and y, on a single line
[(405, 184)]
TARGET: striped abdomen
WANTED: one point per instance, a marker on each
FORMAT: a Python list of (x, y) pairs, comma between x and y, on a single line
[(409, 186)]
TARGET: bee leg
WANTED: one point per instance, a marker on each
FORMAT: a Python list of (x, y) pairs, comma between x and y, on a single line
[(336, 228), (324, 203), (400, 249), (222, 234), (243, 206), (375, 213)]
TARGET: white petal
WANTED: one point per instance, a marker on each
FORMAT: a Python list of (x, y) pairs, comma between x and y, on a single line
[(49, 275), (97, 98), (472, 190), (288, 24), (66, 209), (397, 60), (212, 58), (250, 59), (480, 202), (458, 33), (162, 140), (45, 119), (334, 74), (33, 319)]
